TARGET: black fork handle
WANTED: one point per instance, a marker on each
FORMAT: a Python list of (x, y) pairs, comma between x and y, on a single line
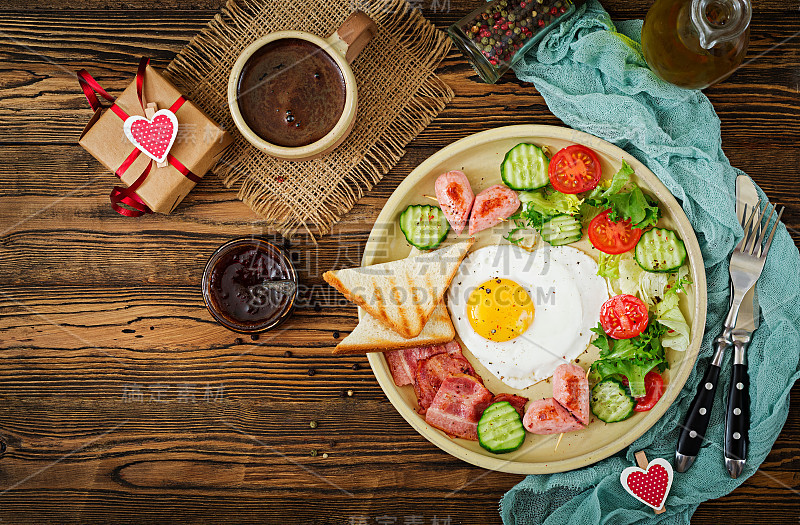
[(737, 417)]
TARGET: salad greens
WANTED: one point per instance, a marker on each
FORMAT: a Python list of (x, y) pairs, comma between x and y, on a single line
[(660, 291), (520, 224), (626, 200), (627, 281), (549, 202), (669, 314), (608, 266), (631, 358), (539, 206)]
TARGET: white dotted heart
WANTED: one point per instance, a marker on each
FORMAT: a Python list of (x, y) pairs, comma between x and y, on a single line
[(153, 137), (649, 486)]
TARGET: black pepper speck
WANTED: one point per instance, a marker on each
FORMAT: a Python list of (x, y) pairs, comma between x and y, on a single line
[(311, 371), (336, 334), (287, 354), (254, 337)]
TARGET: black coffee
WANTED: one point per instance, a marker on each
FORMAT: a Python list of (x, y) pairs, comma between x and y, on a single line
[(291, 92)]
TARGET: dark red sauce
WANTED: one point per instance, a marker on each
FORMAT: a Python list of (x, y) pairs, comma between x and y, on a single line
[(249, 285)]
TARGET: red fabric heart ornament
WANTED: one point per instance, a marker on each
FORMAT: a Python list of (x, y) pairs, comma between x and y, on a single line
[(649, 486), (153, 137)]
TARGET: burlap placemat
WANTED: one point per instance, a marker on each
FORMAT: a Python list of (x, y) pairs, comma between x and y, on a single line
[(399, 95)]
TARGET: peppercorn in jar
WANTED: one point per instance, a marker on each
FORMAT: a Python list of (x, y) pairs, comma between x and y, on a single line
[(497, 34)]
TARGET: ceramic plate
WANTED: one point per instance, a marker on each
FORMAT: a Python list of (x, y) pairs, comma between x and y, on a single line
[(479, 156)]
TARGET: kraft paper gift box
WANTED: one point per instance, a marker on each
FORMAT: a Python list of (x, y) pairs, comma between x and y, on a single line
[(198, 144)]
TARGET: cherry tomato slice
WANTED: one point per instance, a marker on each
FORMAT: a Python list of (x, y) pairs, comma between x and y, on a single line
[(623, 316), (654, 387), (612, 237), (574, 169)]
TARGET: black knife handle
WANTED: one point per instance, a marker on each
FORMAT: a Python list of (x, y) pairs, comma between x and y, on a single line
[(737, 421), (696, 423)]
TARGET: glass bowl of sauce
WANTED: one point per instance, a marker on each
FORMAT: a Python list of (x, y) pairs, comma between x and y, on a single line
[(249, 285)]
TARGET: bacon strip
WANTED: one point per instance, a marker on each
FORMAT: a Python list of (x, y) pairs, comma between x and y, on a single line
[(518, 402), (458, 406), (403, 363), (432, 372)]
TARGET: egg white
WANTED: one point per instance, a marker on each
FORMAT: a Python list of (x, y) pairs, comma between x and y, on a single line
[(567, 294)]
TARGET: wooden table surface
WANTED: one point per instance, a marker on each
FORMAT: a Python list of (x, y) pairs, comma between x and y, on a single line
[(122, 401)]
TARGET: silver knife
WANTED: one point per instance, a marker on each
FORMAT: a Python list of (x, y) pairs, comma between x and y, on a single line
[(737, 417)]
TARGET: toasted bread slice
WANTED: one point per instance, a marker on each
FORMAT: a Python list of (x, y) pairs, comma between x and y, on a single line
[(402, 294), (372, 336)]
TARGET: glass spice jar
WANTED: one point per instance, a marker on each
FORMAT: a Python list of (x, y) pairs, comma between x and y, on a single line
[(499, 33)]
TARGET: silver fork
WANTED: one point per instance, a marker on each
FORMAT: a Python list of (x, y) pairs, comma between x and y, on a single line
[(747, 262)]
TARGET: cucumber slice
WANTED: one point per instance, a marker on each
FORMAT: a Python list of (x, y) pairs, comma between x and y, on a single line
[(660, 250), (561, 229), (424, 226), (525, 167), (611, 402), (500, 428)]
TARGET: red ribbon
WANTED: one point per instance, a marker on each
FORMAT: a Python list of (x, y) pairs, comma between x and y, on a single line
[(119, 194)]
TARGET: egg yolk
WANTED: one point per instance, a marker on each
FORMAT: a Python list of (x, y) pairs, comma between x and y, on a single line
[(500, 310)]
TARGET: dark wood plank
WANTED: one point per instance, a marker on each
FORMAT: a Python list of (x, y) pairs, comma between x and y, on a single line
[(40, 101)]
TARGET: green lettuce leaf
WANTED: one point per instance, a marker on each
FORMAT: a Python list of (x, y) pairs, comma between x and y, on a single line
[(631, 358), (608, 266), (635, 206), (620, 180), (537, 208), (634, 371), (655, 287), (626, 200), (548, 202), (603, 342), (669, 315), (629, 275)]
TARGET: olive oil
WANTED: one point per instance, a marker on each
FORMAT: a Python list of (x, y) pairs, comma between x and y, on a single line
[(696, 43)]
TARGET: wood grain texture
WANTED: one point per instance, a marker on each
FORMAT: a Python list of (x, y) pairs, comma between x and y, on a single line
[(121, 401)]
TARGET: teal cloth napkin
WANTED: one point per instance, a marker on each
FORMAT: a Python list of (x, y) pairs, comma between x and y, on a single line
[(594, 78)]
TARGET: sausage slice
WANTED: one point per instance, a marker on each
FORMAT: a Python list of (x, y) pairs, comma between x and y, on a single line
[(455, 197), (491, 207)]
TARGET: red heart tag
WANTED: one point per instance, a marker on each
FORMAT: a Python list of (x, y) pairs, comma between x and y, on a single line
[(153, 137), (649, 486)]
